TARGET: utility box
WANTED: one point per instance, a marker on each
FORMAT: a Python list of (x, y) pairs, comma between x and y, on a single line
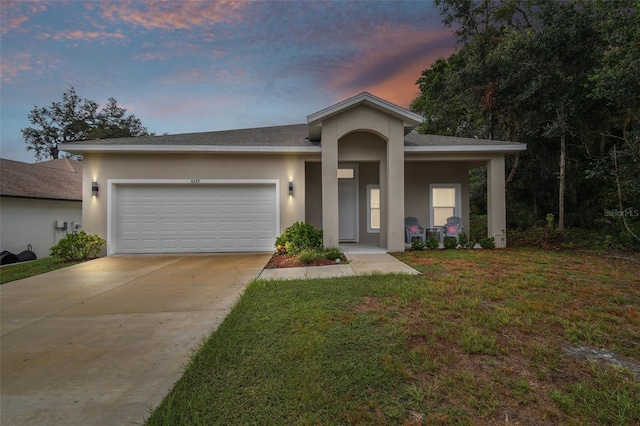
[(61, 225)]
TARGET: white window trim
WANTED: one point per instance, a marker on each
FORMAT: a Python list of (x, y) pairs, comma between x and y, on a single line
[(369, 229), (458, 207)]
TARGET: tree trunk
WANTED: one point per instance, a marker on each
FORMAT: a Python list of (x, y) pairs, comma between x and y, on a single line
[(563, 161), (620, 204), (54, 152)]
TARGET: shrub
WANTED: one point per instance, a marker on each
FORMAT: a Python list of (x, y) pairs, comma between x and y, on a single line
[(309, 255), (417, 244), (465, 242), (432, 243), (79, 246), (450, 242), (332, 253), (300, 236), (487, 243)]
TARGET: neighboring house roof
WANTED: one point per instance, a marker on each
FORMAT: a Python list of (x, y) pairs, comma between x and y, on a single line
[(295, 138), (56, 179)]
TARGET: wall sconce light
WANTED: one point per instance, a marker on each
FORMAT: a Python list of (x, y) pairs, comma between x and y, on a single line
[(94, 189), (290, 188)]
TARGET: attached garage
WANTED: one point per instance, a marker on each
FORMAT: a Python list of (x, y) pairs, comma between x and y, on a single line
[(192, 217)]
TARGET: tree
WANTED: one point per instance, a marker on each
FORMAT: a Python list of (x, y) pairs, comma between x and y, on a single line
[(76, 119), (559, 76)]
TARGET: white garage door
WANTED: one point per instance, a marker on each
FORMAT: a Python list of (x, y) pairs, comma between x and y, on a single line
[(195, 218)]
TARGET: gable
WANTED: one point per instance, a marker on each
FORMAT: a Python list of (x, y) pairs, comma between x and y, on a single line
[(409, 119)]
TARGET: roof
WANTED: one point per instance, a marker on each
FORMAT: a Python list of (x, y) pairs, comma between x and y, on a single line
[(417, 142), (56, 179), (291, 138)]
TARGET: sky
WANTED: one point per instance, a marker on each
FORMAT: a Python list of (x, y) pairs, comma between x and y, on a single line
[(199, 65)]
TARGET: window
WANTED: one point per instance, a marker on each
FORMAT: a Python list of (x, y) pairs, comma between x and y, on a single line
[(445, 202), (373, 208), (346, 173)]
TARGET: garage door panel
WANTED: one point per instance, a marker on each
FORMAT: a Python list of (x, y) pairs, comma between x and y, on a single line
[(203, 218)]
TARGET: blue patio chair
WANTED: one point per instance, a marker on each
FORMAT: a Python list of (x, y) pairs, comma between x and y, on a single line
[(413, 229)]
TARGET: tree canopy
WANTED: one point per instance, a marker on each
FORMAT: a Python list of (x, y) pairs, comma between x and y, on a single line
[(561, 77), (75, 119)]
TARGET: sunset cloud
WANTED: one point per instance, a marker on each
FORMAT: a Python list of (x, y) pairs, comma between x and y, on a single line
[(13, 14), (82, 35), (177, 15), (10, 68)]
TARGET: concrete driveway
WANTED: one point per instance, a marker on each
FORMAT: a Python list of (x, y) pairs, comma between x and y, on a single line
[(101, 343)]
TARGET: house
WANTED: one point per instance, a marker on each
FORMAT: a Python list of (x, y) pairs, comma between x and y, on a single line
[(354, 169), (39, 203)]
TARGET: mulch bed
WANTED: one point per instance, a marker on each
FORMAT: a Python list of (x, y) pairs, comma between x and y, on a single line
[(283, 260)]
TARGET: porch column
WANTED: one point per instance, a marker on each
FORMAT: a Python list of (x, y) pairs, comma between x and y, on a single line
[(330, 224), (395, 187), (496, 201)]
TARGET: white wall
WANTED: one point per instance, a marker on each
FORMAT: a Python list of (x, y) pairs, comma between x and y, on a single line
[(26, 221)]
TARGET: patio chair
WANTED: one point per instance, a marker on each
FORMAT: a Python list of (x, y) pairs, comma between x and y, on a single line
[(452, 228), (413, 229)]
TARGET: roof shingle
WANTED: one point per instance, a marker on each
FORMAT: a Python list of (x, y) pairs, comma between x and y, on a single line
[(56, 179)]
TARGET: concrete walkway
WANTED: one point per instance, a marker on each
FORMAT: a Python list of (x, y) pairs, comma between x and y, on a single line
[(102, 343), (366, 262)]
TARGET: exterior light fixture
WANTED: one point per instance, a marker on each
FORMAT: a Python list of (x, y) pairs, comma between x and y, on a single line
[(94, 189), (290, 188)]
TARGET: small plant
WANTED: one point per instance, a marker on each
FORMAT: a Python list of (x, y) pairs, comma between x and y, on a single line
[(465, 242), (298, 237), (332, 253), (487, 243), (309, 256), (80, 246), (432, 243), (550, 220), (450, 242), (417, 244)]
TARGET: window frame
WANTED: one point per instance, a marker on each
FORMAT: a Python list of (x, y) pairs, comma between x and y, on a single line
[(371, 230), (457, 209)]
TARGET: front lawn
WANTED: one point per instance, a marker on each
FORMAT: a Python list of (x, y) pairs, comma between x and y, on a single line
[(482, 337), (18, 271)]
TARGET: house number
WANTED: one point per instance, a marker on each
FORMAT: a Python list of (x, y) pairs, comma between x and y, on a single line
[(195, 180)]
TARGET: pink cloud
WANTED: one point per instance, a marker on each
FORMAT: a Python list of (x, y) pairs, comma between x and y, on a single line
[(10, 68), (186, 14), (15, 13), (82, 35)]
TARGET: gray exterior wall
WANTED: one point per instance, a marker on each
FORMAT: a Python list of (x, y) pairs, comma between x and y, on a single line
[(26, 221)]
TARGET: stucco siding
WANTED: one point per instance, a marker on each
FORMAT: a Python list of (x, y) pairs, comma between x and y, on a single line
[(104, 167), (418, 177), (26, 221)]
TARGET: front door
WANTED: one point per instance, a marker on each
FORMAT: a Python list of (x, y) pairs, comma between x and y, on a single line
[(348, 203)]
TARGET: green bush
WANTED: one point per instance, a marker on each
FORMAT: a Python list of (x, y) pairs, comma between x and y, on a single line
[(432, 243), (309, 255), (78, 246), (465, 242), (332, 253), (450, 242), (417, 244), (300, 236), (487, 243)]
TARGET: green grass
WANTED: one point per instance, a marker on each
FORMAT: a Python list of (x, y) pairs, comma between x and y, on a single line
[(18, 271), (481, 337)]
